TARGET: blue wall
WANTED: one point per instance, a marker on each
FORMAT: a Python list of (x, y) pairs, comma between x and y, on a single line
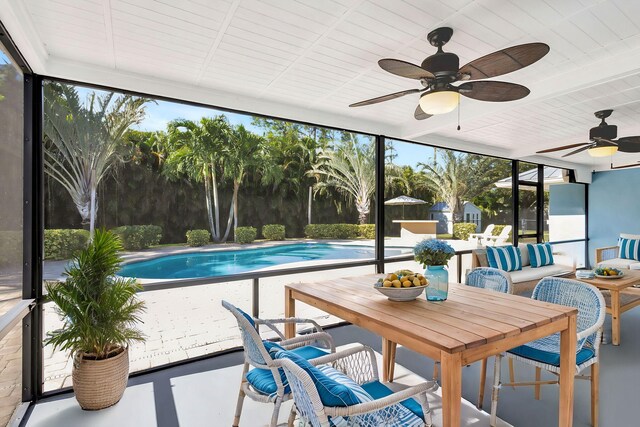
[(614, 207)]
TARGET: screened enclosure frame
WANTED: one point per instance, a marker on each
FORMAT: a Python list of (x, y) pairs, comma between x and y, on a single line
[(33, 243)]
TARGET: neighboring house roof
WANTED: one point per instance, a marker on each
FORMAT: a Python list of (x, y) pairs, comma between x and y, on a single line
[(444, 207), (551, 176)]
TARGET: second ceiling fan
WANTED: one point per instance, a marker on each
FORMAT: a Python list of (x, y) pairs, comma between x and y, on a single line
[(602, 140), (438, 72)]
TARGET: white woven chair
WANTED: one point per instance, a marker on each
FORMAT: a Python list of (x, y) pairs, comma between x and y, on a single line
[(544, 353), (495, 280), (359, 365), (257, 355)]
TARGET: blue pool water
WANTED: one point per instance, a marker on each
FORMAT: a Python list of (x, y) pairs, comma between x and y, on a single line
[(221, 263)]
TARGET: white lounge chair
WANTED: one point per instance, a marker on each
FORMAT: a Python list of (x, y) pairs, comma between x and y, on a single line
[(477, 237), (500, 239)]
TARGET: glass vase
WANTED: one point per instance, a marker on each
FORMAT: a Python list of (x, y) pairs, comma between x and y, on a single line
[(438, 277)]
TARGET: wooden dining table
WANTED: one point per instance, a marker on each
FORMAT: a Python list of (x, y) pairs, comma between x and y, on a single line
[(471, 325)]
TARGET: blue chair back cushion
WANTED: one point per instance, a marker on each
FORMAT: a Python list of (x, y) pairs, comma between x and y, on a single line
[(331, 392), (262, 379), (505, 258), (629, 248), (551, 358), (540, 254)]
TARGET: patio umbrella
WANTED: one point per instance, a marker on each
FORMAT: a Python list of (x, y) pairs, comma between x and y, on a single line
[(404, 200)]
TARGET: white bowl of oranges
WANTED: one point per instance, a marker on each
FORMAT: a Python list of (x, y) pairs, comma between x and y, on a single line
[(402, 285)]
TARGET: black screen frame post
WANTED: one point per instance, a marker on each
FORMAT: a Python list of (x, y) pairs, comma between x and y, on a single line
[(380, 142), (540, 203), (33, 230), (515, 196)]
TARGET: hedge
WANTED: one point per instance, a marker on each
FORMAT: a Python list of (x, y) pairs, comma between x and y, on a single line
[(462, 230), (10, 249), (246, 234), (64, 243), (332, 231), (198, 237), (367, 231), (136, 237), (273, 231)]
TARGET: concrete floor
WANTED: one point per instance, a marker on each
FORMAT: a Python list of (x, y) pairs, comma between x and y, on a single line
[(619, 384)]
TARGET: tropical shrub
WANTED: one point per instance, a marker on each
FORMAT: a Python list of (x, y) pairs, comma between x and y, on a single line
[(498, 229), (99, 309), (332, 231), (64, 243), (246, 234), (198, 237), (136, 237), (462, 230), (367, 231), (273, 231)]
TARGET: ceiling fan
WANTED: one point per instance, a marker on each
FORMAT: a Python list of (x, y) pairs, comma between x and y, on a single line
[(603, 140), (438, 72)]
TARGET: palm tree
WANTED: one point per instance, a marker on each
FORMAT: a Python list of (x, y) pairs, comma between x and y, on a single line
[(351, 169), (245, 152), (456, 177), (82, 140), (197, 150)]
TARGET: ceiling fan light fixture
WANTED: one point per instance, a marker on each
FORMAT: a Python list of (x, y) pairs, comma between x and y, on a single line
[(603, 151), (439, 102)]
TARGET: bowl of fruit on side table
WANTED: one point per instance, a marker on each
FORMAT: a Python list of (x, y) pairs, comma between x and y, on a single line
[(608, 273), (403, 285)]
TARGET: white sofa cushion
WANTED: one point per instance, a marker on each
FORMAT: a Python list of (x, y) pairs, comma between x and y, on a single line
[(528, 274), (631, 264), (524, 254)]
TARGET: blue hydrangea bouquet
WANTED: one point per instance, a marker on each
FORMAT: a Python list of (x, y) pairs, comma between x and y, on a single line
[(433, 252)]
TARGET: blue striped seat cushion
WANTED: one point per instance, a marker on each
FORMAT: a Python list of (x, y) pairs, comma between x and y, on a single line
[(629, 248), (505, 258), (550, 358), (331, 392), (540, 254), (262, 379), (409, 411)]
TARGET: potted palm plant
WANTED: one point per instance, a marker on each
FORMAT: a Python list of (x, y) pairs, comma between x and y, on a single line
[(100, 312)]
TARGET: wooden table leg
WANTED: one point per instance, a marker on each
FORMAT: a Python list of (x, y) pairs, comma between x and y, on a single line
[(289, 311), (483, 380), (567, 372), (385, 359), (451, 380), (392, 360), (615, 317)]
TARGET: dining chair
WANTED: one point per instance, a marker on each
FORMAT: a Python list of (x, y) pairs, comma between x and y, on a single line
[(544, 353), (343, 389), (265, 382), (496, 280)]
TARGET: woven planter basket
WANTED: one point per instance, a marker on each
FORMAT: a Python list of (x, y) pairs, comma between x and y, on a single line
[(99, 384)]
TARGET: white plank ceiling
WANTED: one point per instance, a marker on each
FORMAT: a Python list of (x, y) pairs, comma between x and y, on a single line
[(309, 59)]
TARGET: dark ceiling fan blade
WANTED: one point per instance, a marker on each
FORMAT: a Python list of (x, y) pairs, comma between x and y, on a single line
[(633, 165), (420, 115), (385, 97), (504, 61), (564, 147), (579, 150), (404, 69), (493, 91), (629, 144)]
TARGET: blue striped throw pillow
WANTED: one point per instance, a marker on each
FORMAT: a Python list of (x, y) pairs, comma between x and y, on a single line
[(540, 254), (506, 258), (629, 248)]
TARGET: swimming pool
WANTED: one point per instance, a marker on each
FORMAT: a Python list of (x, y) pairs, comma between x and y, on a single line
[(222, 263)]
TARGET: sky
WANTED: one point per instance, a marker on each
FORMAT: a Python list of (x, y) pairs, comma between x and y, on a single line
[(160, 113)]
